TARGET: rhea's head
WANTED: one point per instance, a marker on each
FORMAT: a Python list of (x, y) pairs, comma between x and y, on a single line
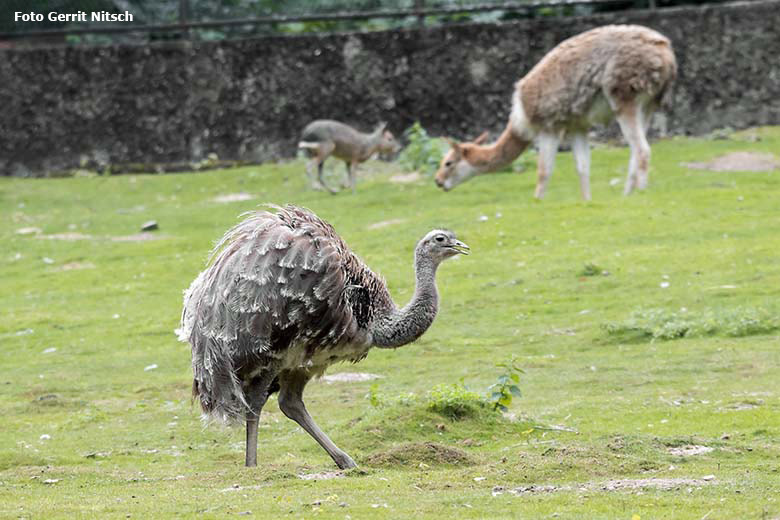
[(439, 245)]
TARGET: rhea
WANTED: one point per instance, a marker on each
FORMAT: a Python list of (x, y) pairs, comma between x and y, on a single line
[(622, 72), (282, 299)]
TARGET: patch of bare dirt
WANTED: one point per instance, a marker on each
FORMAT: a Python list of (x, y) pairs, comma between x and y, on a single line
[(413, 454), (386, 223), (75, 266), (325, 475), (652, 483), (663, 484), (406, 178), (233, 197), (28, 231), (690, 450), (65, 236), (350, 377), (138, 237), (739, 162)]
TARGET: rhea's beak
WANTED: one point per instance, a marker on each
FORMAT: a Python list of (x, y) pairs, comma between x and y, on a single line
[(460, 247)]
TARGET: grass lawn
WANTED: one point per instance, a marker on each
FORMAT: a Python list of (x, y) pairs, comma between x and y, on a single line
[(95, 389)]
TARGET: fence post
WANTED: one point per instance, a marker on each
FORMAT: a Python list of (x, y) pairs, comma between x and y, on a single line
[(184, 16), (419, 5)]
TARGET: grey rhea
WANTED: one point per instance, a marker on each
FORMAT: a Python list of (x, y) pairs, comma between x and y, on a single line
[(282, 299)]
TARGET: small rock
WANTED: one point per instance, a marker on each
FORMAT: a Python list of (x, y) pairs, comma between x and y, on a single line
[(150, 226), (49, 350), (708, 477), (663, 285), (45, 437), (479, 479), (153, 366), (47, 260), (482, 218), (51, 481)]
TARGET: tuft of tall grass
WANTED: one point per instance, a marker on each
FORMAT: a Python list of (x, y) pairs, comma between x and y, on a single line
[(664, 324)]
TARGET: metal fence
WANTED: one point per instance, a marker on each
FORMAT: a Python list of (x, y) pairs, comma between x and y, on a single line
[(90, 21)]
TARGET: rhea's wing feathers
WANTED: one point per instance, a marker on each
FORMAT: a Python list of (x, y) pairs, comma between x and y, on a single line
[(274, 279)]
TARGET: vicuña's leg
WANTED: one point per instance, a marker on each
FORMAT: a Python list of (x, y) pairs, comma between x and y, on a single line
[(581, 150), (292, 383), (631, 121), (256, 393), (548, 147)]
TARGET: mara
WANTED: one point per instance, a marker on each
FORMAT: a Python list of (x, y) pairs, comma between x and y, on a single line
[(622, 72)]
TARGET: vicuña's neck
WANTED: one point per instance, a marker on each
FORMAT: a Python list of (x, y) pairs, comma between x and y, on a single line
[(401, 326), (492, 157)]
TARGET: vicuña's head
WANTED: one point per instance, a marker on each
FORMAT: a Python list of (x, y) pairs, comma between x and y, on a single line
[(387, 142), (456, 167), (439, 245)]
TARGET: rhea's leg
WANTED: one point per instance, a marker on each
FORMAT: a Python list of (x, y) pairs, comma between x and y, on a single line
[(292, 383), (256, 394), (581, 150), (548, 147)]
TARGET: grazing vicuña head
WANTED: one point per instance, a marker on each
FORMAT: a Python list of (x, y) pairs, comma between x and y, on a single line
[(455, 166)]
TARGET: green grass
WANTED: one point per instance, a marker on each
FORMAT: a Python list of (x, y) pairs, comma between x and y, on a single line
[(543, 283)]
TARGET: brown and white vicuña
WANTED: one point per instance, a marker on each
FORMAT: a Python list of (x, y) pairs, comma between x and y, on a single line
[(615, 72)]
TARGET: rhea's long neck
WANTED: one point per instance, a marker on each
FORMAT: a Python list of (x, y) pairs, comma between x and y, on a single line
[(401, 326), (493, 157)]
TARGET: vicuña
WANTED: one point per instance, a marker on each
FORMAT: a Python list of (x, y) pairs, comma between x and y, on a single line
[(622, 72)]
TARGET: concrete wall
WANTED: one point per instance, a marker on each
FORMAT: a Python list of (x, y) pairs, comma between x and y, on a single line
[(248, 99)]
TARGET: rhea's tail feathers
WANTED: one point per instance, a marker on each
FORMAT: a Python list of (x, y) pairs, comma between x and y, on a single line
[(221, 398), (215, 384)]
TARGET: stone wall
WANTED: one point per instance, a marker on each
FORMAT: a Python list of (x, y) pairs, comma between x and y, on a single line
[(249, 99)]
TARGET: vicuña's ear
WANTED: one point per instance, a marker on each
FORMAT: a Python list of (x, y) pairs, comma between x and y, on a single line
[(453, 143), (482, 138), (381, 126)]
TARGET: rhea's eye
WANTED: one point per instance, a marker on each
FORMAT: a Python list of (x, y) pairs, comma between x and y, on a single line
[(440, 238)]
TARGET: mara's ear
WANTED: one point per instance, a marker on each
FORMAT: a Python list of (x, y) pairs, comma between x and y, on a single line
[(381, 126), (482, 138)]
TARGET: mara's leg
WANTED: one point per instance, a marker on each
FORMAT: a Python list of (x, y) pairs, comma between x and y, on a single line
[(310, 166), (352, 169), (323, 152), (256, 392), (346, 183), (632, 124), (291, 385), (548, 147), (581, 150)]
